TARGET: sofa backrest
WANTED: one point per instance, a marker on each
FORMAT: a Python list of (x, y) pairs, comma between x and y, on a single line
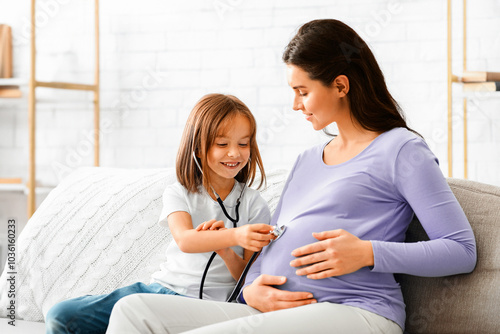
[(468, 303)]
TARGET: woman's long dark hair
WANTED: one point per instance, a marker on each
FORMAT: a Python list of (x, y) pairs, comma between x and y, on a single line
[(328, 48)]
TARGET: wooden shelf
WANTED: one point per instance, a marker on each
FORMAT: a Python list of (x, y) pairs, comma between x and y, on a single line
[(16, 184), (66, 85), (12, 187), (21, 188), (9, 88), (11, 180), (478, 76), (12, 82), (10, 92), (32, 100), (11, 184), (472, 83), (488, 86)]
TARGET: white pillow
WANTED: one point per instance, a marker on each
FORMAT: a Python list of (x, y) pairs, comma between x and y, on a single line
[(95, 232)]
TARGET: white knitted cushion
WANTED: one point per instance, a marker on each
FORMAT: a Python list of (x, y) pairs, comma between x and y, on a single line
[(95, 232)]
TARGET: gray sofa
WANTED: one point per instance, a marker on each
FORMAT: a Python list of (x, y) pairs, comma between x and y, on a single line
[(462, 303), (97, 231)]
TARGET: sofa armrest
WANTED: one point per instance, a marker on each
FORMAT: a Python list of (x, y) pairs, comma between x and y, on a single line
[(467, 303)]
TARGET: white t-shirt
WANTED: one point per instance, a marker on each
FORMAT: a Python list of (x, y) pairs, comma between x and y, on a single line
[(182, 272)]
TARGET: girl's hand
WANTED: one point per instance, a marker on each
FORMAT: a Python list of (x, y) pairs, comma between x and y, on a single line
[(337, 252), (262, 296), (211, 225), (253, 236)]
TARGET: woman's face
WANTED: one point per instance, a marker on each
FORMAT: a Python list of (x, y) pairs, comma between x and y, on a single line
[(321, 105)]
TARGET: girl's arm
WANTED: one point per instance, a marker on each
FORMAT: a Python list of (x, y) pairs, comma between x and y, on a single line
[(252, 236), (234, 263)]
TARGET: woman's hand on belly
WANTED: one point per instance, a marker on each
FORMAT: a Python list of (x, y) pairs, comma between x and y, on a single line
[(337, 252), (262, 296)]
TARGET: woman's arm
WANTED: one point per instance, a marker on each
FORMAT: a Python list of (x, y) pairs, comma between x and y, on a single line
[(418, 181), (452, 247)]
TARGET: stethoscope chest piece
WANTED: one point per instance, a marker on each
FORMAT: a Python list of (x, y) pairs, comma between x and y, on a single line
[(278, 231)]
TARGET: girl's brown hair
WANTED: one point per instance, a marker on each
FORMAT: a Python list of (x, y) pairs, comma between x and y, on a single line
[(209, 116)]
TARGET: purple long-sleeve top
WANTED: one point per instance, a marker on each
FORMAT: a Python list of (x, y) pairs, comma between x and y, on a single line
[(373, 196)]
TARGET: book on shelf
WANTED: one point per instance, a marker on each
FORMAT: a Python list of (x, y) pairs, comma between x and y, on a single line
[(10, 91), (493, 86), (479, 76), (5, 51), (11, 180)]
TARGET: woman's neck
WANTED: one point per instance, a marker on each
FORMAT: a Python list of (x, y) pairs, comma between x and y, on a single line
[(352, 133), (351, 141)]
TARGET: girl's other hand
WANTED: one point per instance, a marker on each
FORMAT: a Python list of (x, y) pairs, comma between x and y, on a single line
[(253, 236), (211, 225)]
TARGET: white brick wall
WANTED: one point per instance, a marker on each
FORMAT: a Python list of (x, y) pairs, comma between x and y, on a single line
[(158, 58)]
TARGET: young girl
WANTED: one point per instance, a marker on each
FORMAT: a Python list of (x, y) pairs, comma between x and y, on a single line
[(217, 159)]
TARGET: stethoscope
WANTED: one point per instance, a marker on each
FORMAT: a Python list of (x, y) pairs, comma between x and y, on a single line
[(277, 232)]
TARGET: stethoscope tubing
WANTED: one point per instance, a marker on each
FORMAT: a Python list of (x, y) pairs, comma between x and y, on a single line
[(214, 254), (239, 284), (277, 232), (235, 224)]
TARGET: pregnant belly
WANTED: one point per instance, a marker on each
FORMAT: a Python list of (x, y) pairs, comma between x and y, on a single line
[(277, 256)]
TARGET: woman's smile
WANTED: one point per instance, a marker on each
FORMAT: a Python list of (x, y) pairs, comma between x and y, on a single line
[(308, 116)]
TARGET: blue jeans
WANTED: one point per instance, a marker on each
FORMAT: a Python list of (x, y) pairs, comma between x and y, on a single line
[(90, 314)]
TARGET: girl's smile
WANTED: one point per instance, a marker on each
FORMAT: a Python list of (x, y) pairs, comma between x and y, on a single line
[(230, 165)]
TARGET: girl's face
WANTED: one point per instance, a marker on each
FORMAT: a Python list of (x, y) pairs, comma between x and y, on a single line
[(321, 105), (231, 149)]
